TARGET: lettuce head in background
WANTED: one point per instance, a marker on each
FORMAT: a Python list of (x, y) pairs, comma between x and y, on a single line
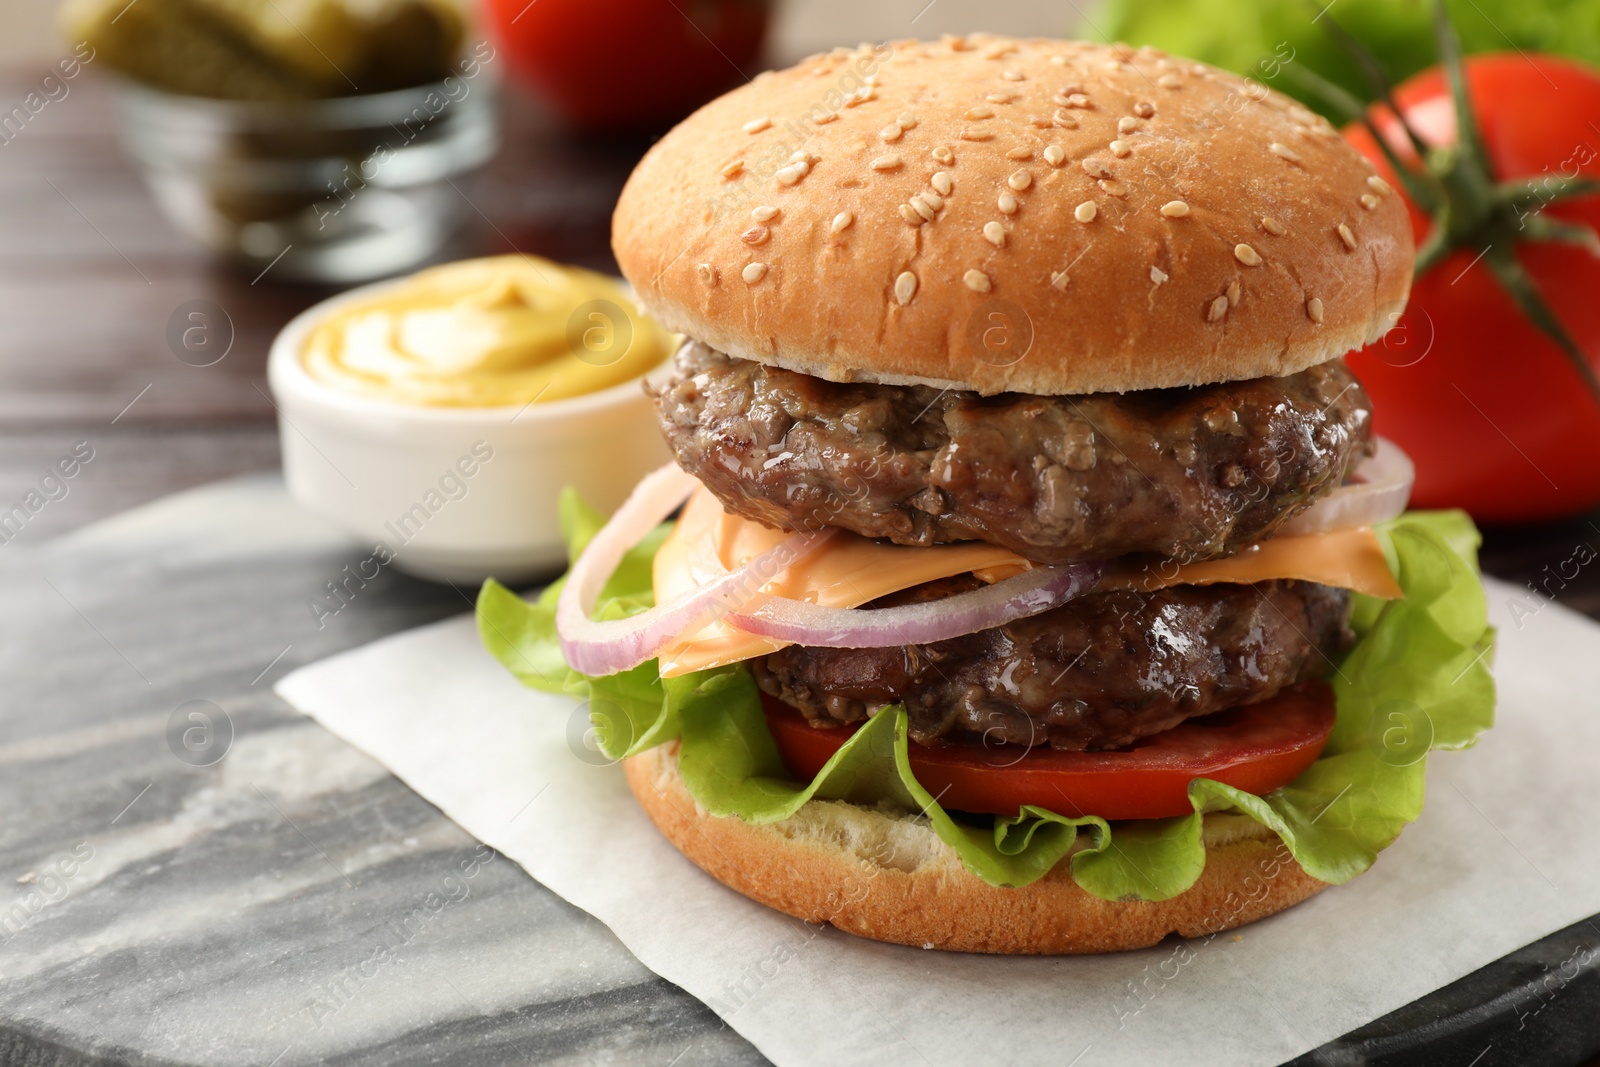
[(1267, 38)]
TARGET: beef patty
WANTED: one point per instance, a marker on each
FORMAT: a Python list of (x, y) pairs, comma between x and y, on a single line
[(1095, 673), (1185, 473)]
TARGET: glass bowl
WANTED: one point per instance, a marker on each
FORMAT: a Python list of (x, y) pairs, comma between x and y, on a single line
[(338, 190)]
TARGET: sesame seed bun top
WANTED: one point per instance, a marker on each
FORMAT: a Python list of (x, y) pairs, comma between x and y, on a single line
[(994, 214)]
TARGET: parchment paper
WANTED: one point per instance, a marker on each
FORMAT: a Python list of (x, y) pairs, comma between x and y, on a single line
[(1505, 852)]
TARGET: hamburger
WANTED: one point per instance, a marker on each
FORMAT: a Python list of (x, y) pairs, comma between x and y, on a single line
[(1039, 584)]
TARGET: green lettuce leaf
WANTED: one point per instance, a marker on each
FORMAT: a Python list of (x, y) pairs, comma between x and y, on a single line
[(522, 635), (1416, 680)]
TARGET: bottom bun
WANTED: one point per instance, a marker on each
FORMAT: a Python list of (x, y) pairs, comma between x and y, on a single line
[(884, 874)]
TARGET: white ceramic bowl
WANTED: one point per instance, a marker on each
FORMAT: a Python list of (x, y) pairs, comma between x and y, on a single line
[(454, 494)]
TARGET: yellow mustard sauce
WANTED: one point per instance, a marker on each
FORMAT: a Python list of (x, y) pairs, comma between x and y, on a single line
[(506, 330)]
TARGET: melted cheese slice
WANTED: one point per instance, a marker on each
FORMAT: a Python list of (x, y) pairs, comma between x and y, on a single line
[(849, 571)]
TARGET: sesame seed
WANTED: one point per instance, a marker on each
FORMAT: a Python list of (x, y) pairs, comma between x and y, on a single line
[(1169, 81), (1013, 75), (977, 281), (764, 213), (757, 125), (1076, 100), (997, 51), (1039, 122), (973, 133), (708, 274), (791, 174), (889, 162), (753, 273), (922, 208), (755, 235), (909, 213), (1020, 153), (1157, 275), (943, 154), (1127, 124), (933, 200), (892, 132), (825, 117), (907, 121), (733, 169), (1347, 236), (1065, 120), (1273, 226), (1054, 155), (803, 156), (941, 182), (842, 221), (1007, 204), (1247, 255), (1314, 310), (1283, 151), (995, 234), (1199, 68), (1144, 109), (1085, 212), (1095, 169), (1378, 185), (1000, 98), (1218, 308), (1112, 187), (1120, 149), (1059, 61), (905, 287), (1020, 180), (1175, 209), (1059, 279), (1369, 201), (1233, 293)]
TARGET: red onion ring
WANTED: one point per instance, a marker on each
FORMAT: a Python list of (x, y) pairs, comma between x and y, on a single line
[(1029, 593), (601, 648), (1379, 489)]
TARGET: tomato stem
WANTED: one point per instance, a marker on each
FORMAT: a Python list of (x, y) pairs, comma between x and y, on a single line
[(1457, 187), (1419, 185), (1473, 169), (1540, 228), (1372, 70), (1519, 285)]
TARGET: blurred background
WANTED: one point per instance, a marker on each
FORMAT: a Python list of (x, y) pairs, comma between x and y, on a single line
[(798, 28)]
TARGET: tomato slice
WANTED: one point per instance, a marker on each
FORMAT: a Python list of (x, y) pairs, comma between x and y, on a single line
[(1256, 748)]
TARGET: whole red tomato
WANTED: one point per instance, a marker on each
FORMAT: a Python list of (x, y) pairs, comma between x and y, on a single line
[(634, 64), (1497, 418)]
